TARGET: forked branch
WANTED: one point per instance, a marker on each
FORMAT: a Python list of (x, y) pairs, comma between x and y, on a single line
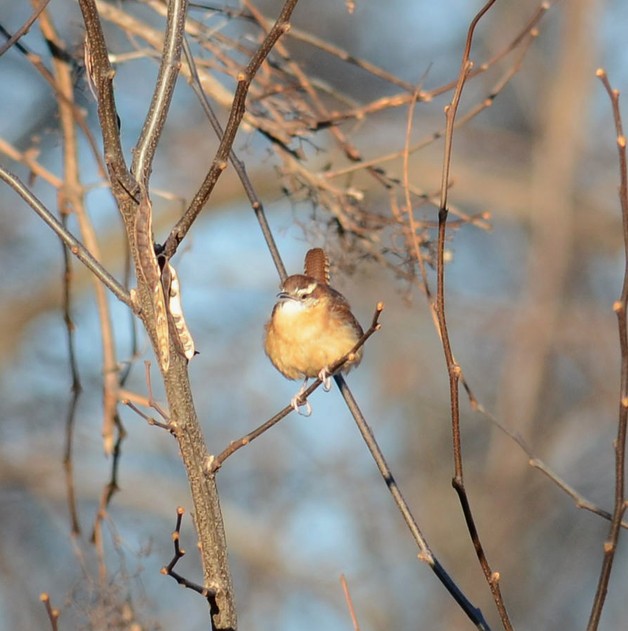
[(236, 114)]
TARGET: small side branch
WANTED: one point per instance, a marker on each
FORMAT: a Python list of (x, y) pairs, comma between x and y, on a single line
[(52, 612), (168, 570), (349, 601), (24, 28), (75, 246), (76, 390)]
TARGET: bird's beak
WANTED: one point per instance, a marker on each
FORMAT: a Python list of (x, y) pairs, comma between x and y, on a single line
[(282, 296)]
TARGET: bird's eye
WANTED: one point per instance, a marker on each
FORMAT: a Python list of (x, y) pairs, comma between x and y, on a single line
[(304, 293)]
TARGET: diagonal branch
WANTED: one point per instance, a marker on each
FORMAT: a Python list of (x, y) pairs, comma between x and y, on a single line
[(238, 165), (24, 28), (425, 554), (215, 462), (75, 246)]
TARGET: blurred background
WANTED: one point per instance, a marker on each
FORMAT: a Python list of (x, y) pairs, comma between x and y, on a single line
[(530, 292)]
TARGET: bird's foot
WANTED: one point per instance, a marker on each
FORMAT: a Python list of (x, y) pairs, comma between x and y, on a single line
[(297, 402)]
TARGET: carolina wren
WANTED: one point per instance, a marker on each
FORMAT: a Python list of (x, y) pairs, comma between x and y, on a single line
[(311, 326)]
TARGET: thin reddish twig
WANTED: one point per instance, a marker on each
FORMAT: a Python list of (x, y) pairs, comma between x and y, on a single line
[(52, 612), (349, 601), (620, 307), (453, 369)]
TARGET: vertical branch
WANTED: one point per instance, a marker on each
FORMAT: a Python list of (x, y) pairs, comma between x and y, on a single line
[(620, 307), (101, 77), (76, 389), (453, 369), (185, 425), (162, 96)]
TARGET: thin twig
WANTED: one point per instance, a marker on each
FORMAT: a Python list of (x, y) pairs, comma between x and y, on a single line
[(53, 613), (349, 601), (620, 307), (524, 40), (327, 47), (130, 398), (535, 462), (412, 231), (453, 369), (76, 389), (168, 570), (24, 28), (28, 159), (126, 399), (425, 554), (238, 165), (306, 85), (109, 489)]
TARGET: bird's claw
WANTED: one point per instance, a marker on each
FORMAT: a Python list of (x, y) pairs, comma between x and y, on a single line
[(325, 376), (296, 403)]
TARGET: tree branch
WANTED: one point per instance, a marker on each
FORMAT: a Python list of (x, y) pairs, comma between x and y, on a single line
[(162, 95)]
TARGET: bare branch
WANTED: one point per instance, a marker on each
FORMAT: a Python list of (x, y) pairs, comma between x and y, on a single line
[(425, 554), (168, 570), (53, 613), (102, 75), (162, 95)]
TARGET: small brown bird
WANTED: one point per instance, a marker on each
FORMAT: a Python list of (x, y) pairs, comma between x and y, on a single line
[(311, 326)]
